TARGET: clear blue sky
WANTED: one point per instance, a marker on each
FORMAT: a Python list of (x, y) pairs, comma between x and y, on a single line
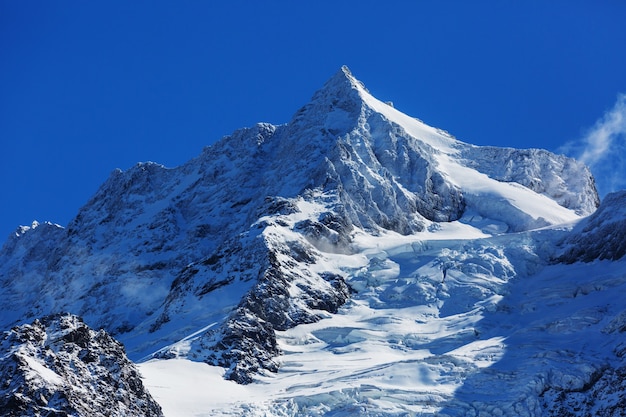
[(86, 87)]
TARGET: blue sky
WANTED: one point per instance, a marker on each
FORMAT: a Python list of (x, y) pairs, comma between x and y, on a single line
[(86, 87)]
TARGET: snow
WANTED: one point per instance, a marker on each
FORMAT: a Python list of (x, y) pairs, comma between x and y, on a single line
[(436, 138), (186, 388), (442, 321), (40, 370), (392, 349), (181, 348), (486, 190)]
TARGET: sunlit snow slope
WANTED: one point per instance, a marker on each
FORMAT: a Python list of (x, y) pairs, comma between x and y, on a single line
[(505, 333), (354, 261)]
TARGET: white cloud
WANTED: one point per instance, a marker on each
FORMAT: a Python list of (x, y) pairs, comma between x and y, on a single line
[(603, 148)]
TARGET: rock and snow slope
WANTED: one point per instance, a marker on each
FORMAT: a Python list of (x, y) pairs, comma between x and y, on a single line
[(507, 332), (352, 261), (57, 366)]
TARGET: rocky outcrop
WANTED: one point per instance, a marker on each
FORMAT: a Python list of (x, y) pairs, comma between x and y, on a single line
[(601, 236), (601, 395), (285, 290), (57, 366)]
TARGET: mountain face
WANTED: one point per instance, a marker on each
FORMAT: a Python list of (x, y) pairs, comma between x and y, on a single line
[(58, 366), (356, 259), (601, 235)]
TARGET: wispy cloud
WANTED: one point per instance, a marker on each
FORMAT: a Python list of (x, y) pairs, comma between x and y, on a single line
[(603, 148)]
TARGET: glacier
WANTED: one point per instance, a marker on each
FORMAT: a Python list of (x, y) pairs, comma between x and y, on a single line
[(353, 261)]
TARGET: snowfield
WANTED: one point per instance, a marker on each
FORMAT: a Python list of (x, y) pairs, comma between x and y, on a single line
[(502, 328)]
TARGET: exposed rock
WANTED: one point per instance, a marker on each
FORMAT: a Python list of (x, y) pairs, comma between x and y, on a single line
[(601, 236), (602, 395), (57, 366)]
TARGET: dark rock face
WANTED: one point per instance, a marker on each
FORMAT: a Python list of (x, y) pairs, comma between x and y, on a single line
[(601, 236), (602, 395), (245, 343), (329, 233), (57, 366)]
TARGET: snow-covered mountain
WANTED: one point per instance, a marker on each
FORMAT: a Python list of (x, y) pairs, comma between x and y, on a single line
[(354, 261)]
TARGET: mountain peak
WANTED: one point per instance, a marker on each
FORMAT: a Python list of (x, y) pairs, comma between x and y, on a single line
[(343, 76), (342, 83), (337, 105)]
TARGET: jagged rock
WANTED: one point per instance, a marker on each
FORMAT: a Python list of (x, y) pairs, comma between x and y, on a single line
[(601, 236), (57, 366), (601, 395), (245, 343), (246, 346)]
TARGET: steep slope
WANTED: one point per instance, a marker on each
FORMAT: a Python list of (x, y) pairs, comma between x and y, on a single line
[(57, 366), (227, 258), (600, 236)]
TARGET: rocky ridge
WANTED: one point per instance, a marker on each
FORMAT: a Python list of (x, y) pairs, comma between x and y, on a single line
[(57, 366)]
